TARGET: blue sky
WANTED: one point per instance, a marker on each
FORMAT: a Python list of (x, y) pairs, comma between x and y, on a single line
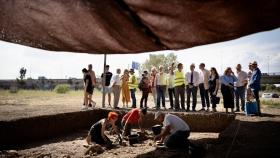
[(263, 47)]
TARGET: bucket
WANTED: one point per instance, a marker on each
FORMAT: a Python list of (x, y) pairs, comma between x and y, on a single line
[(156, 129), (133, 139)]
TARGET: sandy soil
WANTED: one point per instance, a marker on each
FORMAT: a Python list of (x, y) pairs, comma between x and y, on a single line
[(74, 145)]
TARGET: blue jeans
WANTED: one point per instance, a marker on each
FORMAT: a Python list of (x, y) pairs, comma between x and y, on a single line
[(161, 95), (132, 94), (240, 93)]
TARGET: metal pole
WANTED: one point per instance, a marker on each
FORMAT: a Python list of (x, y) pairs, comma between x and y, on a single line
[(103, 81)]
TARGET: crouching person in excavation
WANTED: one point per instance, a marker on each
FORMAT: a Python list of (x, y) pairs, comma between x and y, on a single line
[(175, 133), (133, 117), (97, 134)]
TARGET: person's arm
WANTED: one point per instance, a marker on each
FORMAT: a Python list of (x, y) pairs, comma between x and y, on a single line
[(86, 84), (114, 80), (115, 128), (94, 78), (164, 133), (223, 81), (103, 131), (88, 139), (140, 121), (126, 124), (245, 80), (186, 78), (217, 87)]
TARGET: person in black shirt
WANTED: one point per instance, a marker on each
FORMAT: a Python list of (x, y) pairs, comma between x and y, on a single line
[(214, 87), (88, 88), (107, 89), (96, 134)]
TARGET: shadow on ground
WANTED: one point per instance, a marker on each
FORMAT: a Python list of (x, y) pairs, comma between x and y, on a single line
[(248, 139)]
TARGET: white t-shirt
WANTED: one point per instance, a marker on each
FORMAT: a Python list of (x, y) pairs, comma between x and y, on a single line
[(116, 79), (176, 123), (204, 78), (241, 78)]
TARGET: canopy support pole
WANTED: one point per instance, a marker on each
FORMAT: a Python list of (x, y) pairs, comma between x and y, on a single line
[(103, 81)]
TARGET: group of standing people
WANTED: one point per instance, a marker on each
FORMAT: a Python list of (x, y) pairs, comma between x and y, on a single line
[(177, 84)]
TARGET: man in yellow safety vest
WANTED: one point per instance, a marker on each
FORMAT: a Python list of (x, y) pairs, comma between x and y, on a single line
[(179, 87)]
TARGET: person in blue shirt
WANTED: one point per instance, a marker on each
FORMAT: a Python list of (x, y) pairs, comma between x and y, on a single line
[(227, 88), (255, 84)]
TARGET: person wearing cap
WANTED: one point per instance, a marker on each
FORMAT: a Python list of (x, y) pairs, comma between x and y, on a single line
[(179, 87), (192, 78), (107, 80), (204, 87), (249, 74), (255, 84), (96, 134), (175, 131), (133, 117), (241, 85), (144, 86)]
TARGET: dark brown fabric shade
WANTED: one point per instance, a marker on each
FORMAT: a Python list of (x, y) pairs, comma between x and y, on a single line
[(132, 26)]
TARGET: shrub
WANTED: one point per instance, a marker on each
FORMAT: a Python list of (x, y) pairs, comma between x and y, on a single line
[(13, 89), (62, 88)]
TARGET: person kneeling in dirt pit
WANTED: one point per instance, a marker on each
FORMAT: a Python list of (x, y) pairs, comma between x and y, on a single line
[(134, 116), (96, 133), (175, 133)]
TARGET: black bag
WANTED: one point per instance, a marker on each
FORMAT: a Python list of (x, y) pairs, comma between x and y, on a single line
[(216, 100)]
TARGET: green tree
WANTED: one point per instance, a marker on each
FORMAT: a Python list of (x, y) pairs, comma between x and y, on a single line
[(22, 73), (157, 60)]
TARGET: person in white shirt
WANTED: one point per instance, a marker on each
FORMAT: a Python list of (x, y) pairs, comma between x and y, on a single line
[(203, 86), (192, 78), (116, 88), (241, 85), (153, 84), (161, 84), (175, 132)]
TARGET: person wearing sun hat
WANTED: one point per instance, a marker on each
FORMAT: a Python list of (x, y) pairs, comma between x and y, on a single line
[(175, 133), (255, 84)]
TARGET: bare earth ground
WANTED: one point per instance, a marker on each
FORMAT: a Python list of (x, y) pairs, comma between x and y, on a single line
[(246, 137)]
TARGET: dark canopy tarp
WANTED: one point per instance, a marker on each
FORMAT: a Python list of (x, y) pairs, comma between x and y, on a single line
[(132, 26)]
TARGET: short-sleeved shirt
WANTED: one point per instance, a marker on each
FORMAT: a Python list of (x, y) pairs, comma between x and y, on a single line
[(176, 123), (87, 77), (132, 116), (116, 79), (108, 78), (241, 78)]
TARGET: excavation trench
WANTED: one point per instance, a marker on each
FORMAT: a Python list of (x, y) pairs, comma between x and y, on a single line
[(34, 129)]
